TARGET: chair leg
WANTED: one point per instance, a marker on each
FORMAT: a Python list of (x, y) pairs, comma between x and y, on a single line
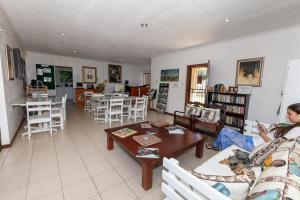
[(50, 127), (29, 131), (61, 123)]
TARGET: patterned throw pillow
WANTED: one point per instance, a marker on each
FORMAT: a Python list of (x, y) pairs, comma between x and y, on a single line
[(235, 187), (190, 110), (280, 182), (262, 152), (207, 115)]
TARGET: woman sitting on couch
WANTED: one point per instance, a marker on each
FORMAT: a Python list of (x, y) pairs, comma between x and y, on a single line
[(228, 137)]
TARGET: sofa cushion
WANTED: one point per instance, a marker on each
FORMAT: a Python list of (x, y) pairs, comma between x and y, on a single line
[(193, 110), (213, 167), (280, 182), (210, 115), (261, 152)]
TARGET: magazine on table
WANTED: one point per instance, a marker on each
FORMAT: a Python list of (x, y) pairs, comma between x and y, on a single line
[(175, 129), (123, 133), (146, 125), (146, 140), (159, 123), (144, 152)]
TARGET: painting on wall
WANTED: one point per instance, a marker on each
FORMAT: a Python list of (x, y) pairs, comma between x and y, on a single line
[(10, 63), (169, 75), (89, 74), (249, 72), (114, 73)]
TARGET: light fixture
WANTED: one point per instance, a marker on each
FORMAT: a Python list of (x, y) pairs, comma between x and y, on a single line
[(144, 25), (60, 34), (75, 51), (227, 20)]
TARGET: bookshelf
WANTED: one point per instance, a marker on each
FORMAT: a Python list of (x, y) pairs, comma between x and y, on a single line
[(162, 98), (236, 107)]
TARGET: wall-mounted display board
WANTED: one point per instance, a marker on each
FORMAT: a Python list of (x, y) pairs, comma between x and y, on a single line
[(45, 73), (162, 98)]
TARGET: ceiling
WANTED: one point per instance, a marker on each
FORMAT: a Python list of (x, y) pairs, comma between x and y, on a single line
[(110, 29)]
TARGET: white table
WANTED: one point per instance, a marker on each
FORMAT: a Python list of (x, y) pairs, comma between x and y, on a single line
[(22, 103)]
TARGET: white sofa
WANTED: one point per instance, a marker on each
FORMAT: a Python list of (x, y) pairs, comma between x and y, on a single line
[(179, 184)]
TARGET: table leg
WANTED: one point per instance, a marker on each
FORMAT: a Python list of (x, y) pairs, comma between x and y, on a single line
[(110, 142), (199, 149), (147, 172)]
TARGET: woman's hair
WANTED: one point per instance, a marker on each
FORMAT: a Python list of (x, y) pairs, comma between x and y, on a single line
[(281, 131)]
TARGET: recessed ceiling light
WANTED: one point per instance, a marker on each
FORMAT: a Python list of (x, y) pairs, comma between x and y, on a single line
[(227, 20), (60, 34), (144, 25), (75, 51)]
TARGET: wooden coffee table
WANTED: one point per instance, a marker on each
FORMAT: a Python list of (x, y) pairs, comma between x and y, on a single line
[(171, 146)]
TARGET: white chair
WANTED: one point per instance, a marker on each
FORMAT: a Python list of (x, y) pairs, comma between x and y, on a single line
[(138, 110), (117, 94), (88, 100), (95, 97), (115, 112), (101, 109), (65, 108), (126, 106), (38, 113), (146, 97), (39, 95), (58, 115)]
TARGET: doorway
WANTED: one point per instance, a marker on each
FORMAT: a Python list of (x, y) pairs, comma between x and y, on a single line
[(146, 78), (197, 81), (64, 81)]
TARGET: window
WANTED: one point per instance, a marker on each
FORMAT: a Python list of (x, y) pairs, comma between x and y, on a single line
[(197, 81)]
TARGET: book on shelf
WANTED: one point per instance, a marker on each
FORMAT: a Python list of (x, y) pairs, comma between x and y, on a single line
[(159, 123), (123, 133), (146, 125), (175, 129), (147, 152), (146, 140)]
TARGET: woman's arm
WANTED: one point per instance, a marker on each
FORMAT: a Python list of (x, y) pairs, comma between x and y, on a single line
[(263, 134)]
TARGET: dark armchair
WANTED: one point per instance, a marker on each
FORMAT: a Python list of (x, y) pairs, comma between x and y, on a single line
[(213, 126)]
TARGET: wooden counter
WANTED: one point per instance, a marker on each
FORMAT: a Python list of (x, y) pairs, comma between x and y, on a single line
[(80, 97), (138, 91)]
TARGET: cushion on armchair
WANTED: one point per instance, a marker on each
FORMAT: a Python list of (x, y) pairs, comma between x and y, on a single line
[(210, 115), (192, 110)]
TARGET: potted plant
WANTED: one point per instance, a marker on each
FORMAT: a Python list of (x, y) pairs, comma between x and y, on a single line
[(101, 86)]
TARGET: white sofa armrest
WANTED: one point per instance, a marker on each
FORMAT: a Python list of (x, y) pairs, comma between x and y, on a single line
[(178, 183)]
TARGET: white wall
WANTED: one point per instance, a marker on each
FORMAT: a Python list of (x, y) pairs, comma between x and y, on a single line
[(276, 46), (10, 90), (129, 72)]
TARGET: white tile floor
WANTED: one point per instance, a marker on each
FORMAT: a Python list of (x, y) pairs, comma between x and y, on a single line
[(75, 165)]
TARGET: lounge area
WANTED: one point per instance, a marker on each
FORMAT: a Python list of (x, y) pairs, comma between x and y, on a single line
[(173, 100)]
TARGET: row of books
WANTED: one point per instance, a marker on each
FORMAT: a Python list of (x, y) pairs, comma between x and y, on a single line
[(234, 121), (228, 98), (235, 109)]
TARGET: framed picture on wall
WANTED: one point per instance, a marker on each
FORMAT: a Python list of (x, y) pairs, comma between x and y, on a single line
[(10, 63), (169, 75), (89, 74), (249, 72), (114, 73)]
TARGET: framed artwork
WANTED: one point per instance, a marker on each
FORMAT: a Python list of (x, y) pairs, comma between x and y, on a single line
[(10, 63), (114, 73), (249, 72), (169, 75), (89, 74)]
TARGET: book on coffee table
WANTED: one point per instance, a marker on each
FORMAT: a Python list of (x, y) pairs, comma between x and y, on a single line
[(147, 152), (146, 140), (159, 123), (174, 129), (123, 133), (146, 125)]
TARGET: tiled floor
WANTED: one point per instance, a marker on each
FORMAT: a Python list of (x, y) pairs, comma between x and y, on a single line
[(75, 165)]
